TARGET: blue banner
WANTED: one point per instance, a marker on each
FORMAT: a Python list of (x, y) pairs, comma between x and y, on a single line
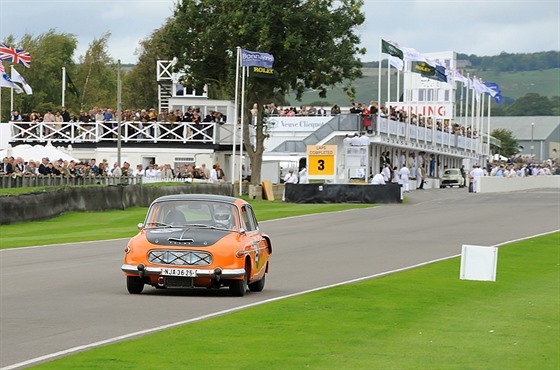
[(254, 58), (494, 86)]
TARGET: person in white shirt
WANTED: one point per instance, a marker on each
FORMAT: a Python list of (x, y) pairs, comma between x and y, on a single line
[(116, 171), (303, 177), (151, 171), (347, 141), (213, 174), (404, 173), (139, 171), (364, 140), (378, 180), (475, 174), (420, 178), (396, 176), (386, 172), (355, 141), (290, 178), (402, 159)]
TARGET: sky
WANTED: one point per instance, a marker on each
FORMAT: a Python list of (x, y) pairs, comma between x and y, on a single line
[(480, 27)]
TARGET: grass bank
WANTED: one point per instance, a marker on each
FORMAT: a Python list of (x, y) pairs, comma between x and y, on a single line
[(424, 318)]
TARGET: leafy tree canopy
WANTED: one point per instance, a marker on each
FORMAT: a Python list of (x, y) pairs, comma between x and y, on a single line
[(531, 104), (50, 52), (314, 44), (509, 143)]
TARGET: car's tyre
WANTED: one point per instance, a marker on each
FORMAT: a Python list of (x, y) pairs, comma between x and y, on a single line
[(134, 284), (257, 286), (238, 288), (442, 186)]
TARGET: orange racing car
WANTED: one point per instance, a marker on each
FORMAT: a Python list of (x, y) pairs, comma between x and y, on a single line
[(198, 240)]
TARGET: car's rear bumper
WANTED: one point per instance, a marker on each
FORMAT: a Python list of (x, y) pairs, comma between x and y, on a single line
[(213, 273)]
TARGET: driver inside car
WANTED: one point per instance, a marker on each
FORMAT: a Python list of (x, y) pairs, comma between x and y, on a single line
[(223, 217)]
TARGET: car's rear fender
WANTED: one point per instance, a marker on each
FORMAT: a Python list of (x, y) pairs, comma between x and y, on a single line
[(268, 243)]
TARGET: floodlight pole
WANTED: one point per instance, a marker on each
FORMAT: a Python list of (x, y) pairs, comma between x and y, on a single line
[(119, 112), (532, 137)]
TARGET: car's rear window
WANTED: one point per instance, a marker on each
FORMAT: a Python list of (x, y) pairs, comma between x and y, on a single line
[(451, 172)]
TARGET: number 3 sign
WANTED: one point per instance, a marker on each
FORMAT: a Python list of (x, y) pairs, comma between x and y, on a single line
[(321, 160)]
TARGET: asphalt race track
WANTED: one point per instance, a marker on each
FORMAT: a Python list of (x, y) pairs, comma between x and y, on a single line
[(54, 298)]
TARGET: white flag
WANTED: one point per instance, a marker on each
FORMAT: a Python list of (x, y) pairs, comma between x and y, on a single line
[(457, 76), (412, 55), (6, 82), (16, 77), (396, 62)]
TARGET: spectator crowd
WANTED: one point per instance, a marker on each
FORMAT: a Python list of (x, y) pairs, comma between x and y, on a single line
[(18, 167)]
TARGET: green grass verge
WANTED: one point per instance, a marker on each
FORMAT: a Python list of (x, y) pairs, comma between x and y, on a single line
[(41, 189), (85, 226), (425, 318)]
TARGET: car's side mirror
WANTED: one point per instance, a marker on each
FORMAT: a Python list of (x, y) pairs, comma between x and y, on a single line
[(140, 226)]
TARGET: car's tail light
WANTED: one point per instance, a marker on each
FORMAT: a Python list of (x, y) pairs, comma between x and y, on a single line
[(239, 254), (127, 250)]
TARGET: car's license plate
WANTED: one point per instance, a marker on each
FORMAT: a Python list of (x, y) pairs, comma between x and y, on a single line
[(178, 272)]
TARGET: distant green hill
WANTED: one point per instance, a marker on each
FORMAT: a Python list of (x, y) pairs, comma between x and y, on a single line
[(513, 85)]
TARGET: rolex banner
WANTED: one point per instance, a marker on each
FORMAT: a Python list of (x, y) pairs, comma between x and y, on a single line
[(428, 71), (261, 72)]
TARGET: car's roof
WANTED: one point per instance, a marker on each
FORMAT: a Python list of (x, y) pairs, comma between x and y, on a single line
[(200, 197)]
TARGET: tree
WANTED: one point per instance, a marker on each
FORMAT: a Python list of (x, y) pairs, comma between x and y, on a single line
[(97, 76), (509, 146), (313, 43), (555, 101), (50, 51), (531, 104), (140, 85)]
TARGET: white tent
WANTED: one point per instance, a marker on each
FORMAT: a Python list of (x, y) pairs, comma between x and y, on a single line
[(36, 152), (499, 157)]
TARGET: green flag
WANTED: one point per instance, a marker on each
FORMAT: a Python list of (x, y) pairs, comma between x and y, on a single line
[(391, 49), (71, 87)]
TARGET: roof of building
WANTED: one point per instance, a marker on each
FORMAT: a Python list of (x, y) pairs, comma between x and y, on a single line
[(520, 127)]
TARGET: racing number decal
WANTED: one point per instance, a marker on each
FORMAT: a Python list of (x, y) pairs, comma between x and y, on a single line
[(322, 165)]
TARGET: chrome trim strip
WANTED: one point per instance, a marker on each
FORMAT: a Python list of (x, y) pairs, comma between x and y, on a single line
[(226, 273), (253, 250)]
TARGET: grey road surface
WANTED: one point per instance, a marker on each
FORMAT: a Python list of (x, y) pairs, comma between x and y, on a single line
[(53, 298)]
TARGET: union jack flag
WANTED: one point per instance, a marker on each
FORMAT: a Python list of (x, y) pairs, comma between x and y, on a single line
[(14, 55)]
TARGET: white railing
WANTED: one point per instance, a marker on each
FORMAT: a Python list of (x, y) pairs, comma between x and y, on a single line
[(212, 133), (429, 136), (131, 131)]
